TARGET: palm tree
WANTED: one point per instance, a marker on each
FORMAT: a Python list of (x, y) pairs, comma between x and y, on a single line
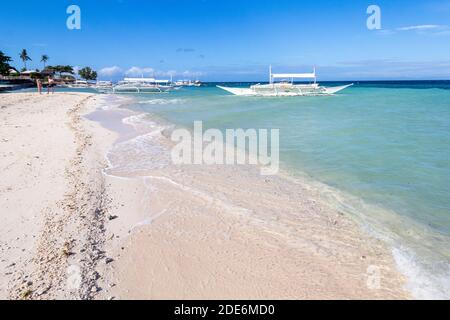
[(4, 64), (24, 56), (44, 59)]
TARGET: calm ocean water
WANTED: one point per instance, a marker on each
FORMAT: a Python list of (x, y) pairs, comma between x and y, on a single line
[(383, 147)]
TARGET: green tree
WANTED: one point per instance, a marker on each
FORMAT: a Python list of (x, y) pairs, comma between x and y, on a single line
[(68, 69), (24, 56), (88, 74), (56, 69), (4, 64), (61, 69), (49, 69), (44, 59)]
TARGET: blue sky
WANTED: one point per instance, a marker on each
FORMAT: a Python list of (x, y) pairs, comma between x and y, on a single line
[(218, 40)]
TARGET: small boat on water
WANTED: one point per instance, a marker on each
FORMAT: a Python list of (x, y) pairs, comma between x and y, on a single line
[(79, 84), (188, 83), (142, 85), (104, 86), (287, 87)]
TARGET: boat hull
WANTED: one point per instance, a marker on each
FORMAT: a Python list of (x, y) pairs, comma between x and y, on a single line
[(285, 91), (136, 89)]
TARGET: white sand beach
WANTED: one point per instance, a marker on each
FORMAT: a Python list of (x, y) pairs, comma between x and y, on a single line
[(51, 194), (77, 226)]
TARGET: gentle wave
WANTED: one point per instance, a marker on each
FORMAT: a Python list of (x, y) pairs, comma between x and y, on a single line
[(423, 283), (420, 254), (163, 101)]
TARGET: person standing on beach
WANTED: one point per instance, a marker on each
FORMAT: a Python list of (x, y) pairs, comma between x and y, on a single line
[(39, 85), (51, 85)]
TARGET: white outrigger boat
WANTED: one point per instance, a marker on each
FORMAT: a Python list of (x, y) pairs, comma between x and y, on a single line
[(79, 84), (287, 88), (104, 86), (188, 83), (143, 85)]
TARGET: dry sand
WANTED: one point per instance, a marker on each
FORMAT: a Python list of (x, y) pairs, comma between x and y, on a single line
[(162, 231), (51, 196)]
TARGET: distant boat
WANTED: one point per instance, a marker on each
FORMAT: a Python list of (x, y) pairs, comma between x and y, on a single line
[(188, 83), (79, 84), (287, 87), (143, 85), (104, 86)]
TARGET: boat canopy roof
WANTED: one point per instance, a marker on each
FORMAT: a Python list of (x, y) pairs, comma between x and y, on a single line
[(145, 80), (294, 75)]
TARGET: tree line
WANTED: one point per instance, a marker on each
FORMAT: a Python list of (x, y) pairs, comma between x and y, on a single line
[(86, 73)]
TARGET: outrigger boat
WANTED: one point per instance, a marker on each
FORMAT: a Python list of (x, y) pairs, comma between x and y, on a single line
[(104, 86), (287, 87), (188, 83), (79, 84), (143, 85)]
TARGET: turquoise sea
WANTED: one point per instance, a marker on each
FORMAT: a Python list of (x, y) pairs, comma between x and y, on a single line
[(383, 149)]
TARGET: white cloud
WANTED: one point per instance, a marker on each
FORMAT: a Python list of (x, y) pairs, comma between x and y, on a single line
[(137, 71), (110, 71), (428, 29), (423, 27), (186, 74), (148, 72)]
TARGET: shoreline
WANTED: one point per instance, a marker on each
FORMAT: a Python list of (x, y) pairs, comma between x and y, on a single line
[(220, 204), (150, 230)]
